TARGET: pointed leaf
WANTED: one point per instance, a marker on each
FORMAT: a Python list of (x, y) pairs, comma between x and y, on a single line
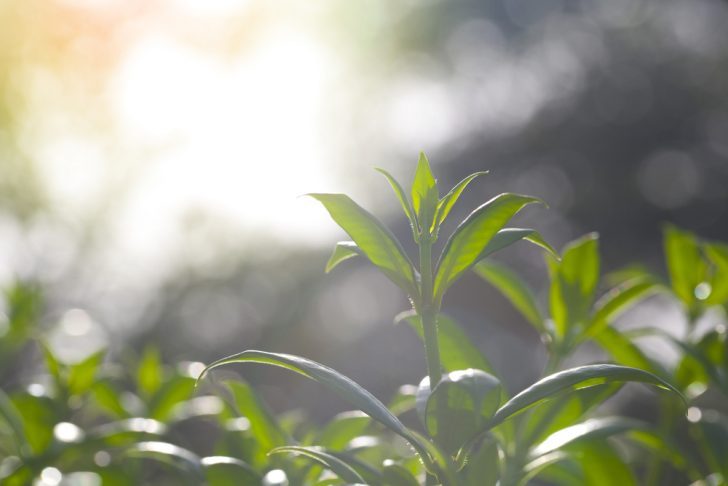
[(372, 238), (468, 241), (717, 254), (342, 429), (342, 251), (445, 205), (263, 425), (483, 465), (331, 462), (618, 300), (684, 262), (514, 289), (228, 471), (402, 197), (573, 283), (81, 375), (424, 193), (333, 380), (149, 371), (574, 379), (508, 236), (625, 352)]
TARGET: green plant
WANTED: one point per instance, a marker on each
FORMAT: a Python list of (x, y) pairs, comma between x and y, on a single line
[(468, 433)]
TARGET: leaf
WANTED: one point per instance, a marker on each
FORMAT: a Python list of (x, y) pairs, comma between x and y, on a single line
[(172, 392), (624, 351), (402, 197), (424, 194), (149, 371), (228, 471), (508, 236), (717, 254), (597, 428), (684, 263), (397, 475), (445, 205), (573, 283), (331, 462), (459, 405), (482, 468), (342, 429), (602, 466), (457, 351), (464, 247), (514, 289), (81, 375), (343, 250), (618, 300), (343, 386), (181, 459), (574, 379), (372, 237), (12, 417), (263, 424)]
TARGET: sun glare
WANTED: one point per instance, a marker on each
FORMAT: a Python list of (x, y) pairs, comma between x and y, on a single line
[(238, 138)]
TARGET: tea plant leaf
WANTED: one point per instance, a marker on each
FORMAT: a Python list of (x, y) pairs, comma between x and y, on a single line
[(618, 300), (624, 351), (508, 236), (342, 385), (397, 475), (514, 289), (263, 425), (482, 468), (402, 197), (424, 194), (342, 429), (717, 254), (81, 375), (172, 392), (445, 205), (598, 428), (10, 415), (149, 371), (468, 241), (343, 250), (684, 262), (372, 237), (457, 351), (329, 461), (573, 283), (574, 379), (442, 465), (228, 471), (170, 454)]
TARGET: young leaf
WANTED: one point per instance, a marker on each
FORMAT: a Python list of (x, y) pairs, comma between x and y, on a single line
[(457, 351), (464, 247), (618, 300), (717, 254), (333, 380), (397, 475), (482, 466), (448, 201), (263, 424), (684, 263), (342, 429), (573, 283), (402, 197), (342, 251), (149, 371), (329, 461), (424, 193), (9, 414), (624, 351), (508, 236), (81, 375), (514, 289), (170, 454), (372, 238), (573, 379), (228, 471)]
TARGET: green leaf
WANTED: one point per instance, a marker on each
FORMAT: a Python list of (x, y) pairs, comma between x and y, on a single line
[(10, 415), (329, 461), (574, 379), (228, 471), (149, 371), (333, 380), (445, 205), (263, 424), (342, 429), (624, 351), (173, 391), (618, 300), (684, 263), (461, 403), (457, 351), (343, 250), (181, 459), (602, 466), (424, 194), (482, 468), (573, 283), (597, 428), (81, 376), (372, 237), (109, 399), (397, 475), (717, 254), (468, 241), (402, 197), (508, 236), (514, 289)]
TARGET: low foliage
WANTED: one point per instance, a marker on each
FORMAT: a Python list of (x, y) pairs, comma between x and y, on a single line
[(100, 421)]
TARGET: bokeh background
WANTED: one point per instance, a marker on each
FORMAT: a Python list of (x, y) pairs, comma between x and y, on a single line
[(152, 155)]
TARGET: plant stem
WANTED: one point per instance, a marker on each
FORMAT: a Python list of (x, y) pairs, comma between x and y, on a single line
[(428, 313)]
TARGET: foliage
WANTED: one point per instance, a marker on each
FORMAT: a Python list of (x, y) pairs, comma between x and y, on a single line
[(129, 424)]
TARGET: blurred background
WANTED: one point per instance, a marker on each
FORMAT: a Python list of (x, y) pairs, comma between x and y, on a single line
[(152, 155)]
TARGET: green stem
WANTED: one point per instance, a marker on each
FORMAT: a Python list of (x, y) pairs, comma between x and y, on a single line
[(428, 313)]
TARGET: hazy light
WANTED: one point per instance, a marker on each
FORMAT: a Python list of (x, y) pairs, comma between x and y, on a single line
[(50, 476), (102, 458), (703, 290), (275, 477), (67, 432), (694, 414)]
